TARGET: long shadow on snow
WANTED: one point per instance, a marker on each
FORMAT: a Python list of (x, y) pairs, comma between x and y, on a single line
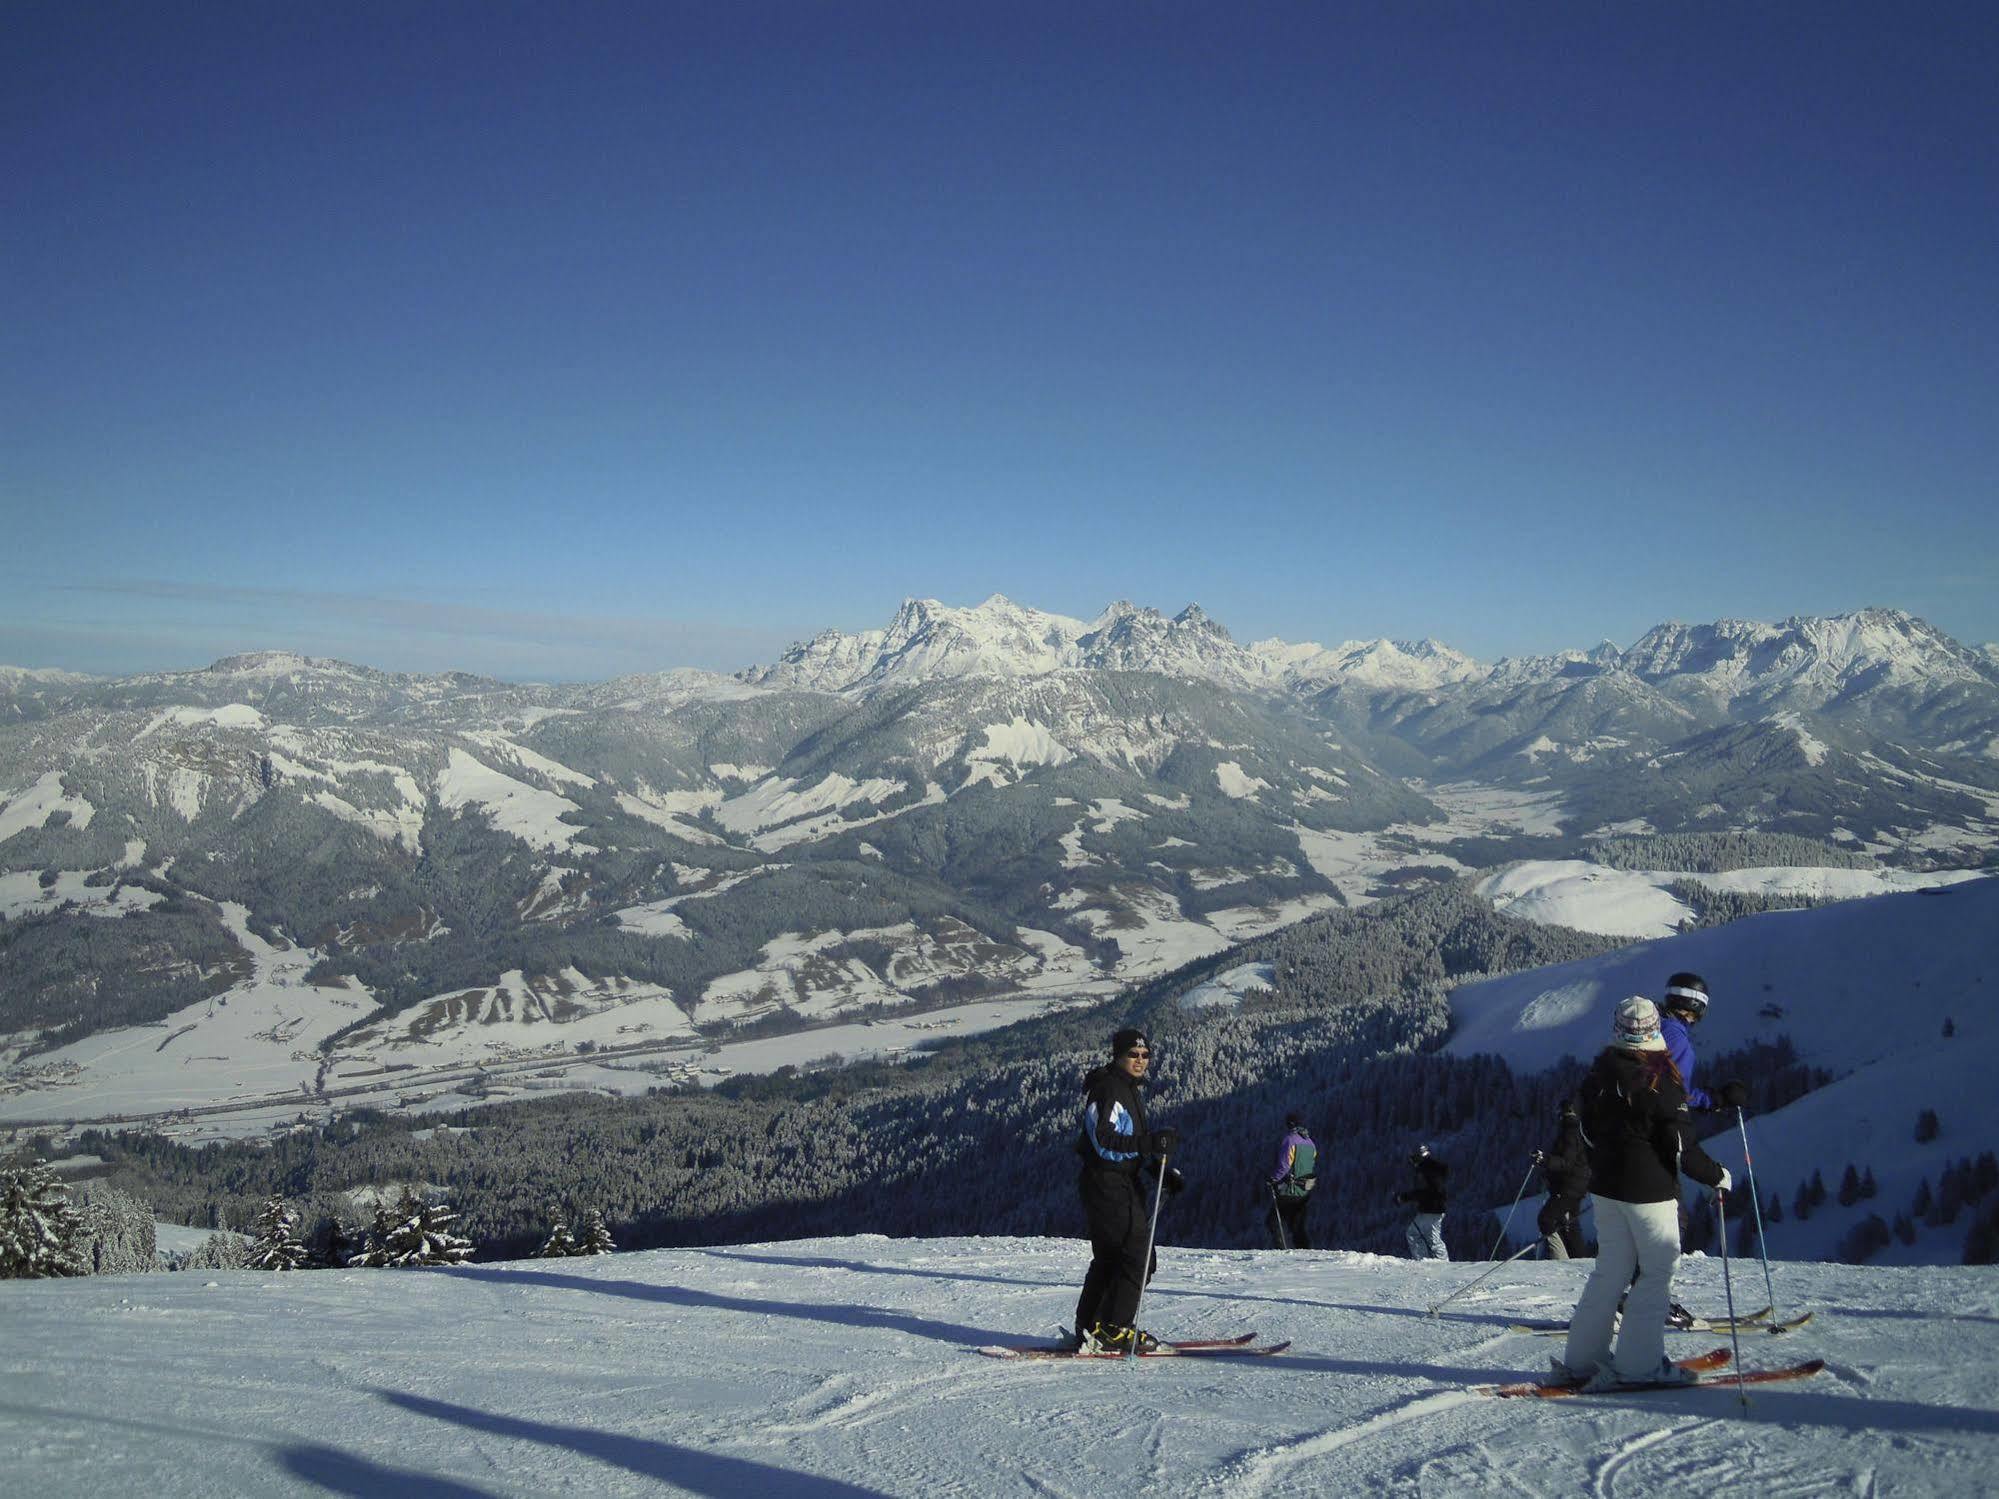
[(1794, 1408), (840, 1316), (685, 1467), (820, 1262), (343, 1473)]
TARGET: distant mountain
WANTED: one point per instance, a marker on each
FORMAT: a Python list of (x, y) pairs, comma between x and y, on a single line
[(969, 801)]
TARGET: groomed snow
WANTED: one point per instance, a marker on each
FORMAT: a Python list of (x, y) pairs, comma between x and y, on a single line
[(847, 1368)]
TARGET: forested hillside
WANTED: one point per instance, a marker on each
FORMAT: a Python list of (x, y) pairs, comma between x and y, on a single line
[(975, 1137)]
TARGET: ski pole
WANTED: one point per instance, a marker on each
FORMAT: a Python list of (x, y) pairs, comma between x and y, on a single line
[(1277, 1217), (1728, 1287), (1756, 1205), (1145, 1270), (1497, 1265), (1509, 1212)]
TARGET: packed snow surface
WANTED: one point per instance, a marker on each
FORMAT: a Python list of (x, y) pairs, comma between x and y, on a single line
[(849, 1367), (1637, 903)]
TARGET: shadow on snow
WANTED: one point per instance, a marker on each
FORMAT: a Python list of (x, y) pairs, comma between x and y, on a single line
[(685, 1467)]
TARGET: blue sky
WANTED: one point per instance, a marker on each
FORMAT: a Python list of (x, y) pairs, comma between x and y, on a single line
[(564, 341)]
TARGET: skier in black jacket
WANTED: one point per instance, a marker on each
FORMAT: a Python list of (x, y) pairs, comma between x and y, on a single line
[(1634, 1111), (1565, 1168), (1114, 1142), (1426, 1229)]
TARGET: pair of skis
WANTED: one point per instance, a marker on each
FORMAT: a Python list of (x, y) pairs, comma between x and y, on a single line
[(1241, 1346), (1753, 1322), (1710, 1371)]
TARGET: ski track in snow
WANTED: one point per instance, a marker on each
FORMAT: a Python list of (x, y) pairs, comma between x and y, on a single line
[(847, 1367)]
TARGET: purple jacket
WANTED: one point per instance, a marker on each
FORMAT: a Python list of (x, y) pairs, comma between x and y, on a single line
[(1288, 1151), (1680, 1047)]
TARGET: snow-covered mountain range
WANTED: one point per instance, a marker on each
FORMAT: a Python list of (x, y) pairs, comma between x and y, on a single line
[(403, 877)]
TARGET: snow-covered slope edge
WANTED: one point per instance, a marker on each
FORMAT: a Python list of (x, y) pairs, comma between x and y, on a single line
[(1863, 989), (846, 1367)]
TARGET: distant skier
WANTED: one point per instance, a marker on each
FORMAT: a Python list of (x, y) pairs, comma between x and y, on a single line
[(1426, 1229), (1565, 1168), (1114, 1142), (1684, 1007), (1291, 1185), (1633, 1110)]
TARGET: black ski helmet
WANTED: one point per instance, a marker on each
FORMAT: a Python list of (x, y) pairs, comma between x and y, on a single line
[(1293, 1120), (1687, 993)]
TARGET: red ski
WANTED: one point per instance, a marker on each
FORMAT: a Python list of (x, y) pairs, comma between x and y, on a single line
[(1715, 1358)]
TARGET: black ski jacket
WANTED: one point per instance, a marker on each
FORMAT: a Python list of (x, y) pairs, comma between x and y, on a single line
[(1634, 1110), (1565, 1166), (1113, 1133), (1428, 1193)]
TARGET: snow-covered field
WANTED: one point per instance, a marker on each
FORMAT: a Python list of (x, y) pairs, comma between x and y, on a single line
[(848, 1367), (1637, 903)]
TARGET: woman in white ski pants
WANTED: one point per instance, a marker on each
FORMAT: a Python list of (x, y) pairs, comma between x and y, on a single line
[(1640, 1236), (1633, 1110)]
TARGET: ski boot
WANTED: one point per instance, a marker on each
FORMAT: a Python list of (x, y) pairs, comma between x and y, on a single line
[(1111, 1338), (1679, 1317)]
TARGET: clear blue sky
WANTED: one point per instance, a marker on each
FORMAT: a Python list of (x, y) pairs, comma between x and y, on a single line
[(568, 340)]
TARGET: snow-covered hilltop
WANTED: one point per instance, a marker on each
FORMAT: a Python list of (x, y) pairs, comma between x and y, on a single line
[(848, 1368)]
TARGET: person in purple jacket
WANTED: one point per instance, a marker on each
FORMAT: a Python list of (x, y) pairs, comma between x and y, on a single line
[(1291, 1185), (1684, 1007)]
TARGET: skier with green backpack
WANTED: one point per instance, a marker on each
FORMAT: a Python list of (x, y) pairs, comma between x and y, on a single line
[(1291, 1185)]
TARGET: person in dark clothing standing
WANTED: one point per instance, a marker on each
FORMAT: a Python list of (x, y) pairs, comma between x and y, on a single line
[(1634, 1111), (1426, 1229), (1291, 1185), (1115, 1142), (1565, 1168)]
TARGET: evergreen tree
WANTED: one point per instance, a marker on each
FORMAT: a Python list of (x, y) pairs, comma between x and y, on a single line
[(1849, 1187), (421, 1236), (1801, 1205), (1926, 1126), (1904, 1229), (1818, 1187), (1775, 1212), (375, 1247), (118, 1232), (1981, 1245), (1949, 1027), (596, 1234), (1867, 1186), (219, 1251), (274, 1242), (559, 1244), (1922, 1202), (1985, 1174), (41, 1235)]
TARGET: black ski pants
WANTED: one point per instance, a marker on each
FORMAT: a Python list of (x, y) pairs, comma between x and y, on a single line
[(1114, 1204), (1288, 1214)]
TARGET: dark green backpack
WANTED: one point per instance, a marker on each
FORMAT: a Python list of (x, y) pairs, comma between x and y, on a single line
[(1304, 1171)]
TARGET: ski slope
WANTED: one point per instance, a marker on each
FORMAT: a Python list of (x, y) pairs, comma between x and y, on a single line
[(847, 1367), (1862, 989)]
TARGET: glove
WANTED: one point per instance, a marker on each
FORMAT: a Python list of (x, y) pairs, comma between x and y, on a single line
[(1162, 1141), (1734, 1094), (1173, 1181), (1539, 1157), (1726, 1183)]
